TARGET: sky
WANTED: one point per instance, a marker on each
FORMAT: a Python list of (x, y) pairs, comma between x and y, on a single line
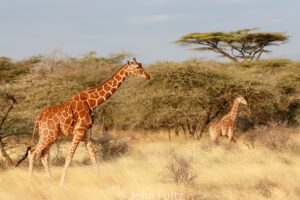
[(146, 28)]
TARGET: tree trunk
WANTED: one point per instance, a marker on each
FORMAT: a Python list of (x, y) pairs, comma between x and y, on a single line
[(176, 130), (259, 55), (4, 154), (169, 133), (183, 128), (226, 55)]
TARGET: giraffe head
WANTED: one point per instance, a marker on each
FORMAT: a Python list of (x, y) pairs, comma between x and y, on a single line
[(241, 100), (137, 69)]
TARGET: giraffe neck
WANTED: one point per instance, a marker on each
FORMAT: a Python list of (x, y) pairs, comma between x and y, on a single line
[(104, 90), (234, 110)]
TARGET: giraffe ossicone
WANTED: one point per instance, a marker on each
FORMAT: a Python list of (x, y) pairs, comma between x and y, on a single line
[(74, 118)]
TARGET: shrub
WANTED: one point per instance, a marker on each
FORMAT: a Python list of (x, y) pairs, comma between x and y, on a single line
[(274, 136), (59, 158), (179, 169), (109, 146), (265, 187)]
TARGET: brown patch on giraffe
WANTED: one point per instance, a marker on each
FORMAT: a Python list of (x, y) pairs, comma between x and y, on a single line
[(109, 83), (68, 121), (82, 114), (84, 96), (115, 83), (87, 119), (76, 98), (107, 95), (50, 124), (79, 106), (86, 106), (106, 87), (45, 133), (56, 109), (64, 114), (55, 117), (76, 115), (100, 100), (118, 77), (113, 89), (94, 95), (101, 93), (73, 105), (99, 88), (122, 72), (60, 109), (44, 119), (92, 102), (69, 131)]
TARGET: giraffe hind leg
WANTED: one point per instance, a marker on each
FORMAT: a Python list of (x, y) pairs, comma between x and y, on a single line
[(31, 158), (46, 139), (45, 154), (32, 155)]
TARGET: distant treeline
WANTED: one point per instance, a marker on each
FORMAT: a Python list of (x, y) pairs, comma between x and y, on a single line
[(181, 96)]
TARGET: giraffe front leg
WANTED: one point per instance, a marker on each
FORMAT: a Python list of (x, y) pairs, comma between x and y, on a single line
[(91, 152), (76, 140)]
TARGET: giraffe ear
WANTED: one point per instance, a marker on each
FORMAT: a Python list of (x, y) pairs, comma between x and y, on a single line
[(134, 59), (128, 62)]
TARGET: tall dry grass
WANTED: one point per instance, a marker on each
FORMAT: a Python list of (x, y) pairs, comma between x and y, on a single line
[(221, 172)]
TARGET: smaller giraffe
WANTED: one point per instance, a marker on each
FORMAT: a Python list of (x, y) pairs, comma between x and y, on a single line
[(226, 126)]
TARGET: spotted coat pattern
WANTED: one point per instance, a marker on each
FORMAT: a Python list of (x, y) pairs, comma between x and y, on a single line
[(226, 126), (73, 118)]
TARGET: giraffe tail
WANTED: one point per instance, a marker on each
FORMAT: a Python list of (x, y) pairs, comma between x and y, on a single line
[(34, 130), (24, 156), (29, 147)]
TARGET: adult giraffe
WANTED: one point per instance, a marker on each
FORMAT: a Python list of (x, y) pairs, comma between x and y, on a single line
[(74, 118)]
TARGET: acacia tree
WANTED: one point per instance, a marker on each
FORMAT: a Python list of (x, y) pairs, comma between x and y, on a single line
[(236, 45)]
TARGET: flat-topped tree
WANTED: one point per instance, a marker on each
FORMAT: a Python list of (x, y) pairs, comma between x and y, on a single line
[(236, 45)]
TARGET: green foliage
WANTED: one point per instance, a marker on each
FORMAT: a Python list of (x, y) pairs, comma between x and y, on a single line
[(186, 95), (193, 92), (236, 45), (10, 70)]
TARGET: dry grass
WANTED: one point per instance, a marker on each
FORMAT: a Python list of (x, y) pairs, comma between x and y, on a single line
[(220, 173)]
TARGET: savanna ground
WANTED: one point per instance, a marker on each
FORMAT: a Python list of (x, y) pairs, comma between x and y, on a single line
[(155, 167)]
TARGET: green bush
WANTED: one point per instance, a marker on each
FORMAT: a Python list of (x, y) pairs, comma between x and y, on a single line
[(184, 96)]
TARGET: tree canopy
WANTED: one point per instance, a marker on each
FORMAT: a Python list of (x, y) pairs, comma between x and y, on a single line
[(237, 45)]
